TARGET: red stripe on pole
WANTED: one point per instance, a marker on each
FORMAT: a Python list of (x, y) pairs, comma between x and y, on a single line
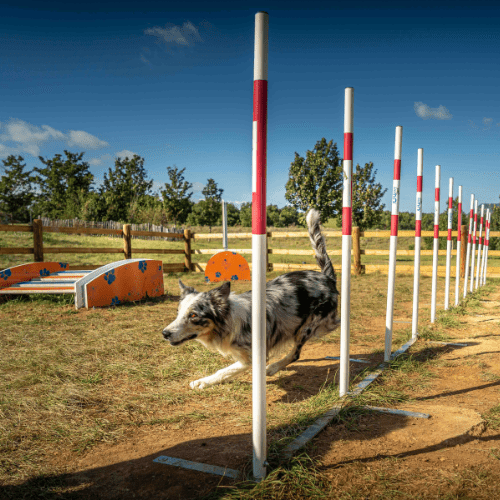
[(450, 202), (348, 146), (459, 227), (436, 194), (394, 225), (449, 234), (346, 221), (418, 228), (419, 183), (397, 170), (436, 231), (259, 196)]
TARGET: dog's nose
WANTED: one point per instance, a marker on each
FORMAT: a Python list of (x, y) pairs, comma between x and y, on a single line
[(166, 333)]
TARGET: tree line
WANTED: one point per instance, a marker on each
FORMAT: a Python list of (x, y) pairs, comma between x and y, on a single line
[(64, 188)]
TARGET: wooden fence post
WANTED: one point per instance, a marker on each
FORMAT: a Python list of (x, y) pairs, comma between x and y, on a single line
[(127, 241), (463, 250), (356, 250), (187, 249), (37, 240)]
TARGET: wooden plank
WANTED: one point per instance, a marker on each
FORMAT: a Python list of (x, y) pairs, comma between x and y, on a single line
[(16, 250), (173, 268), (284, 251), (386, 234), (81, 250), (81, 230), (158, 251), (159, 234), (207, 236), (15, 228), (407, 269), (213, 251), (405, 252), (304, 234)]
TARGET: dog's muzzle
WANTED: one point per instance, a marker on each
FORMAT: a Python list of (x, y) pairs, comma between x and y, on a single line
[(166, 334)]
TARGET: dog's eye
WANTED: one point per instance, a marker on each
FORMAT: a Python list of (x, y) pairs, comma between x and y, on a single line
[(193, 315)]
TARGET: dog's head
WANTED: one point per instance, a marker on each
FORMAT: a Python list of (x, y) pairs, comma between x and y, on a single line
[(198, 313)]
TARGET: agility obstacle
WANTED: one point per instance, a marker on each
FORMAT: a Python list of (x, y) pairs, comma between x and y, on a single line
[(259, 145), (459, 245), (113, 284)]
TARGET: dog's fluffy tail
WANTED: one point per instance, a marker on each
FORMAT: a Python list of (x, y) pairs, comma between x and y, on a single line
[(318, 243)]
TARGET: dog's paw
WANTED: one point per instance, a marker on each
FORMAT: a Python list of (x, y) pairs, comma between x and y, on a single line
[(198, 384), (272, 370)]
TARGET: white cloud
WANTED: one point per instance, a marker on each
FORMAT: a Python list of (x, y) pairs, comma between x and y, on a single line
[(487, 121), (198, 186), (425, 112), (185, 35), (124, 154), (28, 138)]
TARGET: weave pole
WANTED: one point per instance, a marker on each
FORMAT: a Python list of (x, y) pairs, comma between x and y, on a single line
[(449, 244), (259, 147), (473, 248), (345, 307), (481, 272), (469, 244), (488, 223), (418, 243), (389, 316), (479, 246), (435, 254), (459, 244)]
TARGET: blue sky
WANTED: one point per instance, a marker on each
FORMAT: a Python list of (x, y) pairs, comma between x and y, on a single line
[(173, 84)]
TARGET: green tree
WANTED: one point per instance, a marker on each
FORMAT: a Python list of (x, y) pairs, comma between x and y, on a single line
[(124, 188), (16, 192), (233, 215), (367, 206), (316, 181), (62, 185), (289, 216), (176, 199), (246, 214), (213, 205)]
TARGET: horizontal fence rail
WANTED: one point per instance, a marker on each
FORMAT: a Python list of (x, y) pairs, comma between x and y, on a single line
[(127, 233)]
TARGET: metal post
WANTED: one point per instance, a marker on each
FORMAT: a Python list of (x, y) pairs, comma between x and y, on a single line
[(473, 248), (224, 225), (459, 245), (469, 244), (448, 247)]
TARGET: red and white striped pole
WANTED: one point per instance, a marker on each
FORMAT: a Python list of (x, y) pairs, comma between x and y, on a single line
[(259, 146), (469, 244), (435, 254), (449, 244), (389, 316), (345, 307), (481, 272), (459, 244), (479, 246), (418, 243), (487, 247), (473, 248)]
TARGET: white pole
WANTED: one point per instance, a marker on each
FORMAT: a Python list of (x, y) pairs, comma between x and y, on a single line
[(448, 247), (473, 248), (389, 316), (224, 225), (479, 246), (418, 243), (259, 234), (345, 307), (481, 276), (487, 248), (459, 245), (436, 244), (469, 244)]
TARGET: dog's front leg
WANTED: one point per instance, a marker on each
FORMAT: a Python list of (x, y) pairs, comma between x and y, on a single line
[(227, 373)]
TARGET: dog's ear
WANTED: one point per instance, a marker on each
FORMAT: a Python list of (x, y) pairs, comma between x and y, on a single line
[(185, 290), (222, 292)]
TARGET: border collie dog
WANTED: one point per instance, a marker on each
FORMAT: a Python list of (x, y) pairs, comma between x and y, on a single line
[(299, 305)]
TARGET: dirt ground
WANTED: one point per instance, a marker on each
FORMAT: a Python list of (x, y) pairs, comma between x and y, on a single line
[(453, 454)]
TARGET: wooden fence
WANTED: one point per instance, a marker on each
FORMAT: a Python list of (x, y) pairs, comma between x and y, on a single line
[(127, 233)]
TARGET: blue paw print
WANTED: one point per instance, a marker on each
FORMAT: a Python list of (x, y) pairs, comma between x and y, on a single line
[(234, 277), (109, 277), (143, 265), (217, 274), (44, 272), (64, 265), (207, 279), (115, 301), (234, 253), (159, 268), (5, 274)]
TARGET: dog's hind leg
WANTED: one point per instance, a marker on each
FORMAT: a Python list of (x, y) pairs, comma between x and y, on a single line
[(222, 375), (292, 356)]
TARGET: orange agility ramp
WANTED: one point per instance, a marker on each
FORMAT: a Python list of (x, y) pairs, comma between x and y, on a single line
[(227, 266), (112, 284)]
